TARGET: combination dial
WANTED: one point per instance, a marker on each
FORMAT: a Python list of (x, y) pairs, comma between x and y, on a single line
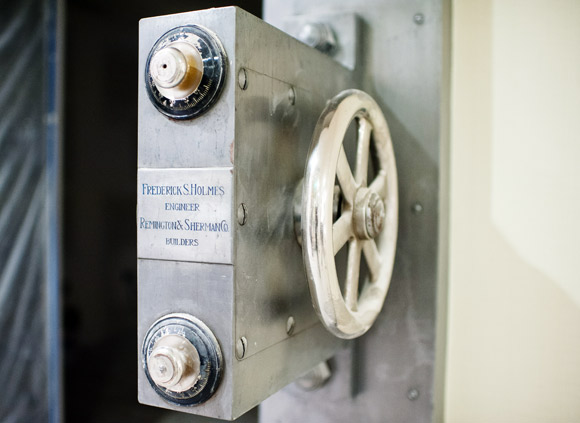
[(185, 72), (182, 359)]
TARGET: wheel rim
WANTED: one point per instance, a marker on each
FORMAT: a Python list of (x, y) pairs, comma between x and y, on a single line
[(367, 224)]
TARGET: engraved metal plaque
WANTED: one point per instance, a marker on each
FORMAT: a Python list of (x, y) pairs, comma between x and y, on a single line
[(185, 214)]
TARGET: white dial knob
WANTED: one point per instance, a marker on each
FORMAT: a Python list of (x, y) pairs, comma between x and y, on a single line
[(174, 363), (168, 67), (176, 70), (182, 359)]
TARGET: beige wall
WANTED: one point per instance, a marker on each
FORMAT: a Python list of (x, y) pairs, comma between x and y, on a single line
[(513, 340)]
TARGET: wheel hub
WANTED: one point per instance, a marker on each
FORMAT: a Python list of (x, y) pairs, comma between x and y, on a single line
[(369, 214)]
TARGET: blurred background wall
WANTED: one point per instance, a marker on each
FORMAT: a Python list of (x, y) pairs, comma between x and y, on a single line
[(513, 352), (30, 372)]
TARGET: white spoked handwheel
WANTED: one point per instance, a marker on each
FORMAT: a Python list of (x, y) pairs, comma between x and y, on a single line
[(368, 220)]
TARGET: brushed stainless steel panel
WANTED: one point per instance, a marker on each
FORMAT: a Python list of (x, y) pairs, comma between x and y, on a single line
[(388, 374), (288, 85), (202, 290), (264, 129)]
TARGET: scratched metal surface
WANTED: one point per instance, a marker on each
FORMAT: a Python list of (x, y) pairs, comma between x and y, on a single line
[(388, 374), (272, 141), (273, 135), (270, 137)]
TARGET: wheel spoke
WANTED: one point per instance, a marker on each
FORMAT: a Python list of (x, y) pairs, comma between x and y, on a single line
[(345, 178), (362, 153), (341, 231), (372, 258), (379, 185), (352, 274)]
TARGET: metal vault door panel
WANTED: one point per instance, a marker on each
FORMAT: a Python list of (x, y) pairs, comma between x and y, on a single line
[(252, 143), (388, 375)]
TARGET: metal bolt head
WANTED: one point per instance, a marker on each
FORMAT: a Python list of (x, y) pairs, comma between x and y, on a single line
[(243, 79), (315, 378), (242, 214), (292, 96), (417, 208), (320, 36), (418, 18), (374, 215), (369, 214), (241, 347), (413, 394), (290, 324)]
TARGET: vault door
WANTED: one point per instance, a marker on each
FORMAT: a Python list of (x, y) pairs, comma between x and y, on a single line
[(254, 155), (221, 157)]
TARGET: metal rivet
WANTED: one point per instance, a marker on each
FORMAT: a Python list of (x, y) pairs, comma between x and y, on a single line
[(290, 324), (417, 208), (292, 95), (241, 347), (418, 18), (413, 394), (242, 214), (243, 79)]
